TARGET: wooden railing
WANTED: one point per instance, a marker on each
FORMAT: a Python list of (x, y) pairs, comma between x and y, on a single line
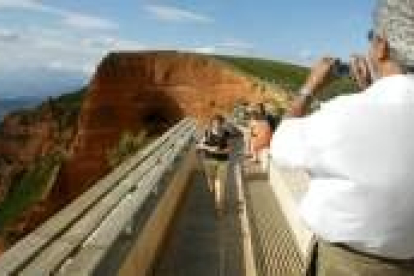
[(117, 226)]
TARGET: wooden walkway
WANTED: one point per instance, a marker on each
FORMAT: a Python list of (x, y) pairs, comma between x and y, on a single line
[(200, 243)]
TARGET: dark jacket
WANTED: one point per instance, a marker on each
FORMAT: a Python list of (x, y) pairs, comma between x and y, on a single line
[(219, 141)]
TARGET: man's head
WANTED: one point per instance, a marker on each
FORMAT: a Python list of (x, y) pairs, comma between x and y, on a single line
[(392, 39)]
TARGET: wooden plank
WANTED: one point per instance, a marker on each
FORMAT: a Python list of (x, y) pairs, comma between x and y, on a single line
[(146, 247), (102, 239)]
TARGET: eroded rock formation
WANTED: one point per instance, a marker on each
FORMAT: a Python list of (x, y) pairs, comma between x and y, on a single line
[(151, 90), (128, 93), (28, 135)]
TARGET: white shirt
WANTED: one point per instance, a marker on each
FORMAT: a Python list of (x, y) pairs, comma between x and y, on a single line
[(359, 151)]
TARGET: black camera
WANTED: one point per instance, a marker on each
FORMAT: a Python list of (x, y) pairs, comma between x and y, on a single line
[(341, 69)]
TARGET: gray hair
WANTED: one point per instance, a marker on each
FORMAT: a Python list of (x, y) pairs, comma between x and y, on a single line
[(395, 19)]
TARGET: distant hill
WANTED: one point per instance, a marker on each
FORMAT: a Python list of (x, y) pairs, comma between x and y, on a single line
[(9, 105), (39, 82)]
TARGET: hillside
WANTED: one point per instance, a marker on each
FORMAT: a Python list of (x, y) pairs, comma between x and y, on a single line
[(32, 142), (289, 77)]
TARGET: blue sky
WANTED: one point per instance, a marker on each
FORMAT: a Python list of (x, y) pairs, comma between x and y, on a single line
[(72, 36)]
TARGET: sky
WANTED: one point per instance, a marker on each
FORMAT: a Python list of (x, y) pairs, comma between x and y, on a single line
[(52, 45)]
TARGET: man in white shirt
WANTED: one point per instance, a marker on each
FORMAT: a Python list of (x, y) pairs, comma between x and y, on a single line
[(359, 152)]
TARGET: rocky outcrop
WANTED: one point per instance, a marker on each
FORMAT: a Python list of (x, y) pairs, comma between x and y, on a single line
[(129, 92), (151, 90), (26, 136)]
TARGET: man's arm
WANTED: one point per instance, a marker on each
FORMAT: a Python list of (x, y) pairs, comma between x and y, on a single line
[(320, 75), (300, 140), (300, 106)]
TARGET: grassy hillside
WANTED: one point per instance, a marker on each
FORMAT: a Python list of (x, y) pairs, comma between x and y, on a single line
[(284, 74), (287, 76)]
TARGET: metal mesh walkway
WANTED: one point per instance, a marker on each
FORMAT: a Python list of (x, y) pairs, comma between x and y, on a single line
[(273, 243)]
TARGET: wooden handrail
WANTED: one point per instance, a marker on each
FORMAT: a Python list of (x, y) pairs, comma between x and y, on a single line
[(80, 224)]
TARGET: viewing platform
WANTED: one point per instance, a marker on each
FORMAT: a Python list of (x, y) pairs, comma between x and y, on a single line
[(154, 215)]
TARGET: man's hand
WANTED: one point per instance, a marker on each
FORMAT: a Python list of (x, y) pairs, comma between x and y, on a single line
[(360, 71), (320, 75)]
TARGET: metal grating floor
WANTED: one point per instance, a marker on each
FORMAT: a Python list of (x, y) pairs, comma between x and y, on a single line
[(273, 244)]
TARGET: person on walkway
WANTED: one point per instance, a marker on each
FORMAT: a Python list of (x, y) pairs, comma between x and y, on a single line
[(359, 152), (272, 119), (260, 134), (215, 144)]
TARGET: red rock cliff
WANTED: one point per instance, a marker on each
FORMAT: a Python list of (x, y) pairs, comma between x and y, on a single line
[(151, 90), (26, 136)]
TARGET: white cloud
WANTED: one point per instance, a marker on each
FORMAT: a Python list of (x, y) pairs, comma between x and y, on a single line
[(236, 44), (23, 4), (230, 46), (8, 35), (74, 19), (174, 14), (98, 42), (111, 43), (88, 22), (205, 50), (58, 49), (63, 65)]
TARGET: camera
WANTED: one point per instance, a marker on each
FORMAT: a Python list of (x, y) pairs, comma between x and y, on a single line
[(341, 69)]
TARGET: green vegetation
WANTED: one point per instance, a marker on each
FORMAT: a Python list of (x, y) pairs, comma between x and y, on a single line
[(128, 145), (338, 87), (31, 184), (67, 108), (288, 76), (72, 100), (28, 188)]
